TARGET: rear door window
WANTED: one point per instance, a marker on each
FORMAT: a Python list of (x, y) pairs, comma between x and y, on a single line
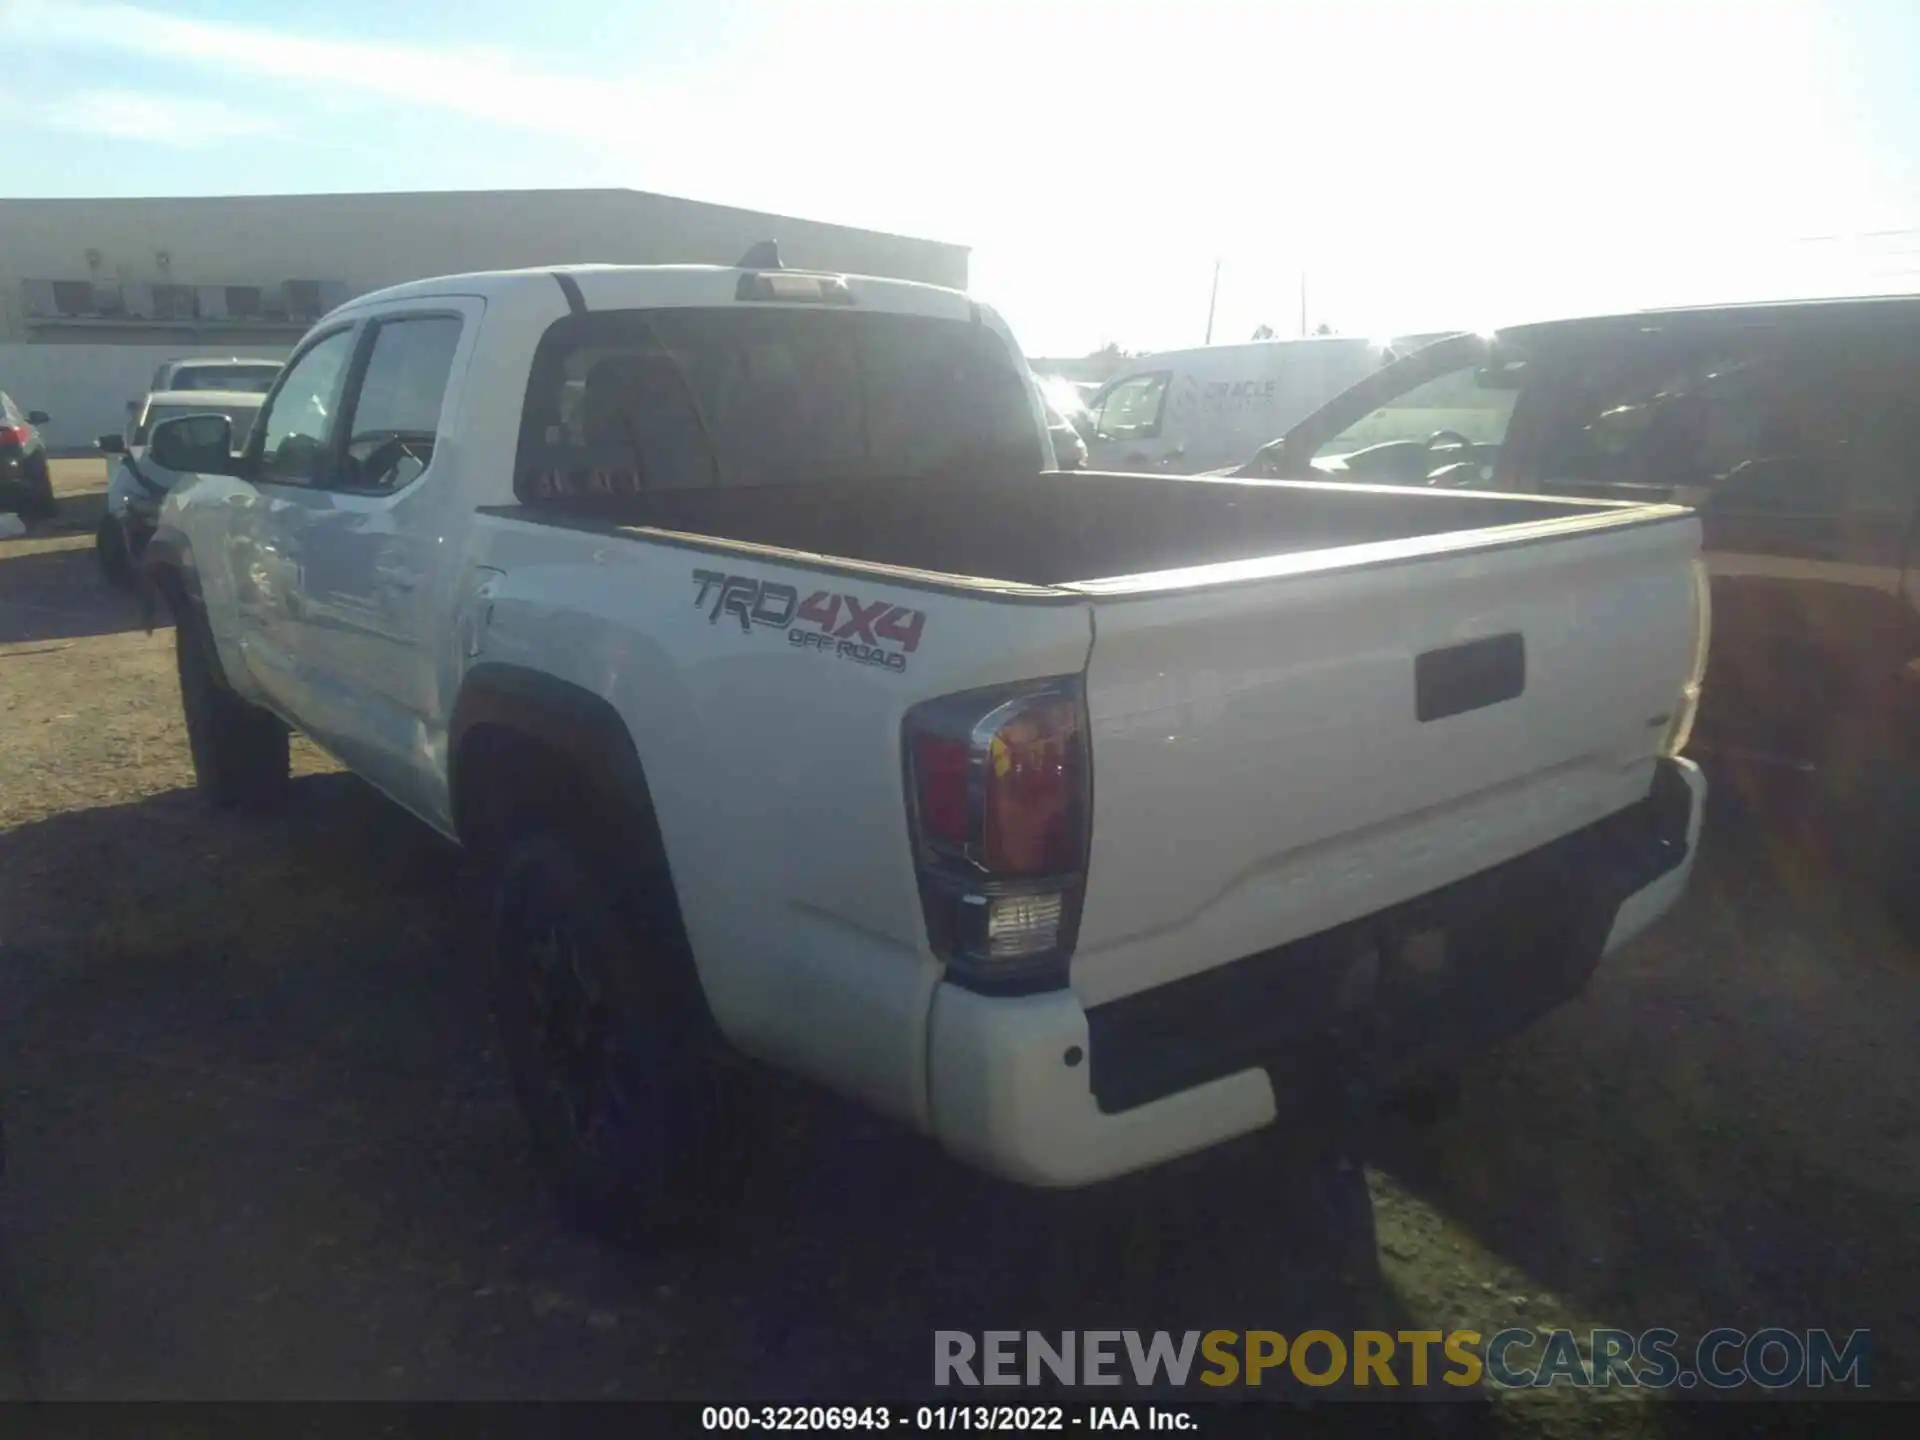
[(1686, 422), (1781, 421), (395, 414), (1800, 421)]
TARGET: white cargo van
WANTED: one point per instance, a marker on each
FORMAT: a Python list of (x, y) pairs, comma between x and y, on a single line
[(1185, 411)]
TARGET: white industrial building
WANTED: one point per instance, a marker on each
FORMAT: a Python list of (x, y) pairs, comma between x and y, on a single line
[(95, 293)]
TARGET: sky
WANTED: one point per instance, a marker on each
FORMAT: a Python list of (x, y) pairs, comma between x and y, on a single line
[(1417, 165)]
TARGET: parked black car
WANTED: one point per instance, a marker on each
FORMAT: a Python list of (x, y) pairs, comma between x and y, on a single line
[(26, 485)]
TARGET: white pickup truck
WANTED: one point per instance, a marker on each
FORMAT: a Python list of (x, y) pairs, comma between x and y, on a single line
[(797, 708)]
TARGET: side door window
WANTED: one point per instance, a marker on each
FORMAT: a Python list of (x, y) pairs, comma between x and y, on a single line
[(1427, 433), (1130, 410), (291, 442), (393, 417), (1689, 425), (1830, 471)]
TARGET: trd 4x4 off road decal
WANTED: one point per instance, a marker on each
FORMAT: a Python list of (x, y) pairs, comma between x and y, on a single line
[(880, 633)]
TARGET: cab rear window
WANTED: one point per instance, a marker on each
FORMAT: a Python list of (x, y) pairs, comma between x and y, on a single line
[(628, 402)]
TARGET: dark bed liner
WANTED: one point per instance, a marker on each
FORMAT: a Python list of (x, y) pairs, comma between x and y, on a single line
[(1065, 527)]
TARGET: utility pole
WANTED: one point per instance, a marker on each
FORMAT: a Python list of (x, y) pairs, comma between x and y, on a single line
[(1212, 299)]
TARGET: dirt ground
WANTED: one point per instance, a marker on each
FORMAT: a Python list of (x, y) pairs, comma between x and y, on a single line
[(260, 1145)]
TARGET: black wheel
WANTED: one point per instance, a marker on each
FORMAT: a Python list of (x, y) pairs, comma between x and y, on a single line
[(239, 750), (1895, 864), (1426, 1099), (39, 503), (632, 1104), (110, 549), (1869, 795)]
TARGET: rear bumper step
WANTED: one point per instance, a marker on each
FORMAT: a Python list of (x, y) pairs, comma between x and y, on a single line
[(1519, 939), (1042, 1090)]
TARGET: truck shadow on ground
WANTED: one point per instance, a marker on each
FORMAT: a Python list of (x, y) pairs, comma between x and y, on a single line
[(263, 1147), (1721, 1131), (49, 595)]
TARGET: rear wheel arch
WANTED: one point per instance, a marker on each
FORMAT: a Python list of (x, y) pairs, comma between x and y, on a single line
[(527, 750), (512, 724), (240, 752)]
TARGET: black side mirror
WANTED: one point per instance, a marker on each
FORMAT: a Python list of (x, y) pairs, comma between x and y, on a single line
[(193, 443), (115, 444), (39, 417)]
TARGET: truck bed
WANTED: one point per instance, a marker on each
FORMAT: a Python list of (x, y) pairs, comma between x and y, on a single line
[(1063, 528), (1306, 702)]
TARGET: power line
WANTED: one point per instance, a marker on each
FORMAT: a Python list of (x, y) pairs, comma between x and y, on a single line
[(1857, 235)]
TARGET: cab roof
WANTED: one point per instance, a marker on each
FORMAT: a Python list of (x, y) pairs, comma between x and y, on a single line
[(1839, 308), (643, 286)]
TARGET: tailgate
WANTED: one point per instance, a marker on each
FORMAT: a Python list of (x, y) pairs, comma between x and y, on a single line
[(1275, 756)]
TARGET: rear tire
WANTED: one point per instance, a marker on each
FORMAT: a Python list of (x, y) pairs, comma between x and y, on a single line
[(1427, 1099), (1870, 801), (240, 757), (633, 1111), (1894, 834), (110, 548), (39, 503)]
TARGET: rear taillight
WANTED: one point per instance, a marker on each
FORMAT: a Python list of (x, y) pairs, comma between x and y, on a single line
[(998, 799), (15, 434)]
